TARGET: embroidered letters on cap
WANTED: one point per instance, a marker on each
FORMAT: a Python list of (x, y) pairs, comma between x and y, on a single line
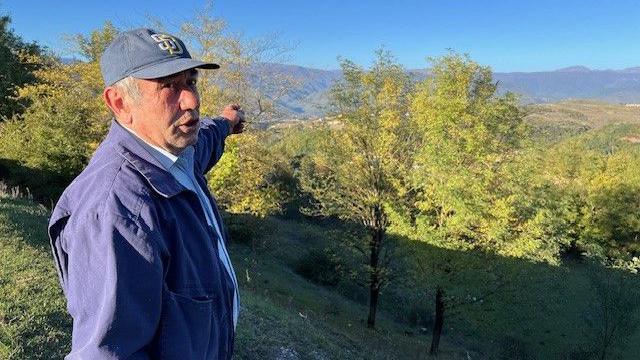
[(168, 43)]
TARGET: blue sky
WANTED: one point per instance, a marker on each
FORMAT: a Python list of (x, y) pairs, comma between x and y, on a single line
[(508, 35)]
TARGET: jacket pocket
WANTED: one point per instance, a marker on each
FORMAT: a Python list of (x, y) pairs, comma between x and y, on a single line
[(187, 325)]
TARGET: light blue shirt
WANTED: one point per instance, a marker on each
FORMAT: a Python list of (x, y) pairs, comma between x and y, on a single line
[(181, 167)]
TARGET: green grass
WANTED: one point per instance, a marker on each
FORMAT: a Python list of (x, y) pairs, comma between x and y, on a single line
[(540, 311), (282, 312), (33, 320)]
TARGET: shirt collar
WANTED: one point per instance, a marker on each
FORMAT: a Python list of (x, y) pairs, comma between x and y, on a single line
[(166, 159), (133, 150)]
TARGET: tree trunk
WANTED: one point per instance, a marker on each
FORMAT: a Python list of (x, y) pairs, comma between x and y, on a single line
[(438, 323), (377, 235), (374, 292)]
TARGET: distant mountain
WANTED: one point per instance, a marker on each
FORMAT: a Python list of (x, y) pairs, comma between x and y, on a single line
[(310, 98), (577, 82), (578, 68)]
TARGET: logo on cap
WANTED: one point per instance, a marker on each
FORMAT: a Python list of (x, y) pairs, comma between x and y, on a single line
[(168, 43)]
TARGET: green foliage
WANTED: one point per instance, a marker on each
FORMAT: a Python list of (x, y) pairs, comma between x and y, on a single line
[(246, 179), (91, 47), (320, 266), (208, 39), (612, 209), (17, 67), (580, 194), (58, 132), (64, 122), (359, 171), (467, 134), (259, 172), (360, 164)]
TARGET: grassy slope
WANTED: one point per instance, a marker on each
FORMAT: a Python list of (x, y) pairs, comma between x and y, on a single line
[(33, 321), (542, 312), (283, 314)]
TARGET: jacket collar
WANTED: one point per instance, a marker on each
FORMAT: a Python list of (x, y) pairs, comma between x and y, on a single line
[(161, 180)]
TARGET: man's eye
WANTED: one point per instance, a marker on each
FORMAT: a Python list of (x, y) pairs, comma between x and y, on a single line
[(192, 82)]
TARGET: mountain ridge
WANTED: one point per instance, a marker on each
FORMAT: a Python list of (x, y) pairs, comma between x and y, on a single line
[(310, 98)]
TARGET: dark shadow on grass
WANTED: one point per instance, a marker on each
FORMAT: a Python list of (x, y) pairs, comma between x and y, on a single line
[(28, 221), (45, 186), (495, 306)]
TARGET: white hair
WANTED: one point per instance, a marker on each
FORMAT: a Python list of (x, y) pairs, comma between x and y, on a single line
[(129, 87)]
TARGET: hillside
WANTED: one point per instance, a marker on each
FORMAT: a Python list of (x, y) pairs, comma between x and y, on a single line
[(560, 120), (539, 311), (284, 316)]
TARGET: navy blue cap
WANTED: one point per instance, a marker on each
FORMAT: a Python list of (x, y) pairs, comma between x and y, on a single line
[(146, 54)]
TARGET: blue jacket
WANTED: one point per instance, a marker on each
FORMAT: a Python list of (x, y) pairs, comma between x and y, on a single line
[(137, 261)]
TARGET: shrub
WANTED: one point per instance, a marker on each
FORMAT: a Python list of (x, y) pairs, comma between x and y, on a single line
[(320, 266), (248, 230)]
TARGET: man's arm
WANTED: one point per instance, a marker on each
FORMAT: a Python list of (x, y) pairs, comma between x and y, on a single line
[(213, 133), (113, 287)]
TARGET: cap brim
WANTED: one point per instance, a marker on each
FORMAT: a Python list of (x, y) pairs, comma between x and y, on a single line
[(171, 67)]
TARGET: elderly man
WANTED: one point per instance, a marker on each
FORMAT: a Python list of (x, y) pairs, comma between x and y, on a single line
[(138, 241)]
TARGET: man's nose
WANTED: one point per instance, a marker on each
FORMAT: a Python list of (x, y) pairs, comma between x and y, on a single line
[(189, 99)]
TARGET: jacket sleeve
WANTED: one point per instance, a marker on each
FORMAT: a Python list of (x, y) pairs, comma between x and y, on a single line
[(210, 146), (113, 283)]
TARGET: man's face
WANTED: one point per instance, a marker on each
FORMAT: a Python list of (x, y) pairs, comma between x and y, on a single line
[(167, 112)]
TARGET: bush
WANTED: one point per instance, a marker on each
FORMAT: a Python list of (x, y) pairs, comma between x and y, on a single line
[(45, 186), (320, 266), (240, 231), (248, 230)]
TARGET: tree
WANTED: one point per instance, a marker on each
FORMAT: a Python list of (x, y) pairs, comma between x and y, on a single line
[(467, 132), (57, 133), (240, 78), (247, 179), (612, 211), (91, 47), (358, 169), (577, 198), (16, 68), (248, 162)]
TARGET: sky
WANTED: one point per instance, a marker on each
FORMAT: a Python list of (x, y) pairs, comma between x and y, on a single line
[(508, 35)]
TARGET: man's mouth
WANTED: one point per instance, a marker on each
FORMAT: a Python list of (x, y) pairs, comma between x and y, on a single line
[(190, 124)]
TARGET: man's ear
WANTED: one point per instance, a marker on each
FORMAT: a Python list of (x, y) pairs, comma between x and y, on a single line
[(119, 105)]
